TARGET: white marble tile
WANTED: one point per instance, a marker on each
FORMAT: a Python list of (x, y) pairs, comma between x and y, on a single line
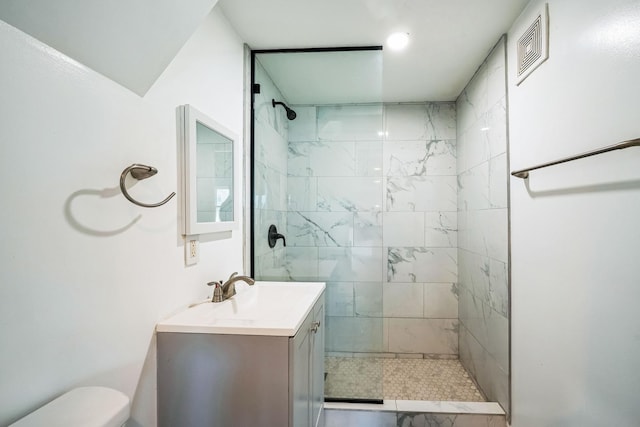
[(385, 334), (386, 406), (302, 193), (499, 287), (469, 351), (498, 177), (368, 298), (405, 121), (350, 123), (431, 120), (423, 336), (497, 128), (368, 158), (419, 193), (463, 227), (440, 301), (319, 228), (446, 407), (403, 300), (500, 386), (302, 263), (333, 158), (474, 188), (304, 127), (339, 299), (270, 148), (403, 229), (473, 313), (324, 158), (495, 225), (477, 147), (367, 228), (298, 159), (265, 113), (350, 264), (419, 158), (270, 188), (464, 114), (343, 418), (350, 194), (477, 92), (271, 266), (450, 420), (440, 229), (422, 265), (354, 334), (473, 273), (461, 153), (496, 74), (498, 343), (476, 232), (441, 120)]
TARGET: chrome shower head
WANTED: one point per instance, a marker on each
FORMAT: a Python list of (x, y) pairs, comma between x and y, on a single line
[(291, 115)]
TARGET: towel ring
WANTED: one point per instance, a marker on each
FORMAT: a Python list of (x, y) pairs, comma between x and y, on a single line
[(141, 172)]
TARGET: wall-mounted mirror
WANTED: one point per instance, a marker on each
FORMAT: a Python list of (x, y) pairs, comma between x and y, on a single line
[(210, 177)]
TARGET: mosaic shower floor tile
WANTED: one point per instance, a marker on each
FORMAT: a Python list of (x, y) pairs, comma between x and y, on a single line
[(399, 379)]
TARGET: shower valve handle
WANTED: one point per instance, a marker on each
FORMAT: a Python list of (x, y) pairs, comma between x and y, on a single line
[(273, 236)]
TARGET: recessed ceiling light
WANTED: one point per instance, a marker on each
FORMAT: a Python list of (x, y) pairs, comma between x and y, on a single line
[(398, 41)]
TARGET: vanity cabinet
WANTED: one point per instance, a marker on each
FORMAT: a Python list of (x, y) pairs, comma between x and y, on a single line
[(231, 380)]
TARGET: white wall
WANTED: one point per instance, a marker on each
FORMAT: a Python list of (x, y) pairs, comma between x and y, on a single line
[(84, 273), (575, 231)]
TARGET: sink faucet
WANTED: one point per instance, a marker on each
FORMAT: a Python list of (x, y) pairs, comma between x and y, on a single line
[(229, 287)]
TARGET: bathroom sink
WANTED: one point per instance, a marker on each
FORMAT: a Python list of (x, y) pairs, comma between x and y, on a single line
[(266, 308)]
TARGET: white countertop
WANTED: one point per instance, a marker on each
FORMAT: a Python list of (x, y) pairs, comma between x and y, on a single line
[(266, 308)]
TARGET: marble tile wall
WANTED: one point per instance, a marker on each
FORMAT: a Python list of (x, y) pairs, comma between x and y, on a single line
[(372, 210), (483, 253), (270, 177)]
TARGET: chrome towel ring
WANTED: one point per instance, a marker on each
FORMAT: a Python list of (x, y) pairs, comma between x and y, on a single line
[(140, 172)]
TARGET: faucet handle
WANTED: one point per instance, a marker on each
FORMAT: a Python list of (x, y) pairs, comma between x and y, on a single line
[(217, 293)]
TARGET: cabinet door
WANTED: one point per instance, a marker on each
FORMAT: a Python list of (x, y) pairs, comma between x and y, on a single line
[(300, 378), (317, 364)]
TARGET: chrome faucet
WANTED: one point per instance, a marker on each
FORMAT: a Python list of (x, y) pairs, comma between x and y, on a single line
[(229, 287)]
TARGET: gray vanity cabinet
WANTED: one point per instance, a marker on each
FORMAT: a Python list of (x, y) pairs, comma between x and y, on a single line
[(218, 380), (307, 356)]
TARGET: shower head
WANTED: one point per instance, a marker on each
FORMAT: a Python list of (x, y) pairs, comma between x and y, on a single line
[(291, 115)]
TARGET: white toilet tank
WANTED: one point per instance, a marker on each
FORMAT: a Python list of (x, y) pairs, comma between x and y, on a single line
[(81, 407)]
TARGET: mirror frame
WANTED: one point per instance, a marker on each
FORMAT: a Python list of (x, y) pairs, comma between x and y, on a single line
[(188, 117)]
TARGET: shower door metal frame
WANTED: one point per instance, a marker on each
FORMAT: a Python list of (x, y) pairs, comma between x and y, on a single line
[(250, 220), (252, 92)]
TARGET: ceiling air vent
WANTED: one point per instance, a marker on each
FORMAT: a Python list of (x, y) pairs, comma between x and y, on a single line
[(533, 45)]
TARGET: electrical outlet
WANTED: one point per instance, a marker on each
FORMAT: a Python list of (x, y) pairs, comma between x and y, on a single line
[(191, 250)]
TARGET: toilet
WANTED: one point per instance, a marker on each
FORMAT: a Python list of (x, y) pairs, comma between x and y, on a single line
[(81, 407)]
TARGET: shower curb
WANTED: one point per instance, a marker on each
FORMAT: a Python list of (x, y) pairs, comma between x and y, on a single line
[(414, 413)]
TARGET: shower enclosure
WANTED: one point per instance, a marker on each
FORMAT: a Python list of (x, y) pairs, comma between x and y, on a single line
[(317, 163), (373, 198)]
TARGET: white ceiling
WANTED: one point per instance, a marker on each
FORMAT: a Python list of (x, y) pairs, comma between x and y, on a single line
[(449, 38), (131, 42)]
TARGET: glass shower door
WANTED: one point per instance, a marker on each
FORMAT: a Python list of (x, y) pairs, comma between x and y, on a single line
[(317, 176)]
